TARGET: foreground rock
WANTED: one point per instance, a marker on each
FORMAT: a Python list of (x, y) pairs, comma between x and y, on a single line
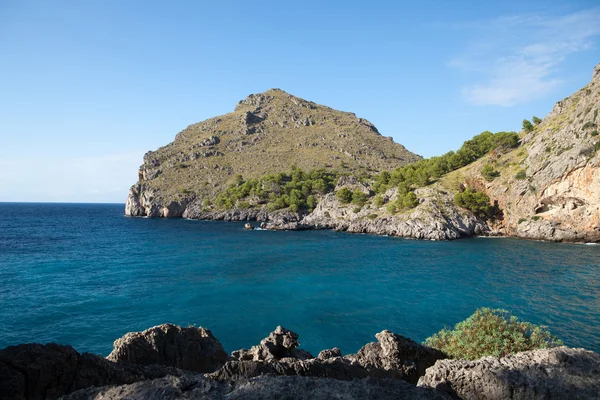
[(35, 371), (393, 356), (263, 387), (191, 349), (559, 373)]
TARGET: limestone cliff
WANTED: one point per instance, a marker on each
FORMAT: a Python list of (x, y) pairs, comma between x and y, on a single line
[(549, 188)]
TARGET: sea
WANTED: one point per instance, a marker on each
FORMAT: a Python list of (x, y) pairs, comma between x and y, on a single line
[(86, 274)]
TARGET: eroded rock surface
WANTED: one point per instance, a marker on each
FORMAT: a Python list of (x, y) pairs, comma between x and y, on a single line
[(559, 373), (36, 371), (191, 349), (263, 387)]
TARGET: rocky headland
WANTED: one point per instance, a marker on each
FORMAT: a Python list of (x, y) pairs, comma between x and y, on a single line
[(171, 362), (545, 188)]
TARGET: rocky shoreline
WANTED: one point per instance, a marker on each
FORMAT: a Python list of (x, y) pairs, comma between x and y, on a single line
[(171, 362)]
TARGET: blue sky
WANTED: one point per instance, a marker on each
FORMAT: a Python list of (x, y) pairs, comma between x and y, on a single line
[(89, 86)]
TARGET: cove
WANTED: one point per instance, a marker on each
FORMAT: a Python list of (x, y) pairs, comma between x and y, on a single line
[(84, 274)]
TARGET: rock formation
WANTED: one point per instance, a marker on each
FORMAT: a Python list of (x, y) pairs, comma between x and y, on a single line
[(559, 373), (276, 368), (191, 349)]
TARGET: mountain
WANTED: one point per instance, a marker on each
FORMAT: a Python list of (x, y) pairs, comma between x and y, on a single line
[(266, 133), (542, 183)]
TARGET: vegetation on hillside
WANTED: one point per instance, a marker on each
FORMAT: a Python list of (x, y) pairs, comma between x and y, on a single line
[(423, 172), (296, 189), (491, 332), (476, 202)]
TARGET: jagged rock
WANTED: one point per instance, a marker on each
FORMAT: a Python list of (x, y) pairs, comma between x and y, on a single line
[(192, 349), (395, 356), (35, 371), (248, 226), (281, 343), (263, 388), (329, 353), (351, 183), (558, 373)]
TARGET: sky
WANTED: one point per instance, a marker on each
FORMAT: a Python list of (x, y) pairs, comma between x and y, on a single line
[(87, 87)]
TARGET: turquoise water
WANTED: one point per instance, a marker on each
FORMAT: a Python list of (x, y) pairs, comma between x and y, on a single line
[(84, 275)]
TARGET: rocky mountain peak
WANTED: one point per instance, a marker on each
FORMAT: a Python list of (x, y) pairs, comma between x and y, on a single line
[(596, 75)]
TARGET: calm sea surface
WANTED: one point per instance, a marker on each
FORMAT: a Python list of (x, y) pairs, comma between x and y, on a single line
[(84, 275)]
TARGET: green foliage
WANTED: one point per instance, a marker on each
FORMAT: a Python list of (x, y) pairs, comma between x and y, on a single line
[(521, 175), (489, 173), (359, 197), (491, 332), (372, 216), (536, 120), (476, 202), (420, 173), (594, 133), (296, 190), (589, 124), (521, 220), (344, 195), (536, 218), (527, 125), (378, 201)]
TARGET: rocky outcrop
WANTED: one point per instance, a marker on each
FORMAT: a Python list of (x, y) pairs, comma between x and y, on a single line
[(395, 356), (549, 187), (277, 368), (281, 343), (35, 371), (559, 373), (191, 349), (435, 218), (392, 356), (263, 388)]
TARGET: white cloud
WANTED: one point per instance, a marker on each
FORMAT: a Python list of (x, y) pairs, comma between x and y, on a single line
[(514, 58), (96, 179)]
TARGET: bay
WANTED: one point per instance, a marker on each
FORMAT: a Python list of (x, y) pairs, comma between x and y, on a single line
[(85, 274)]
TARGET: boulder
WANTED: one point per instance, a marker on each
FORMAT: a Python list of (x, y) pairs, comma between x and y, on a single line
[(395, 356), (36, 371), (248, 226), (191, 349), (558, 373), (281, 343), (329, 353)]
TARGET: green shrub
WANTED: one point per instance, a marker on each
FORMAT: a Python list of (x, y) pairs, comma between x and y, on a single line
[(536, 218), (476, 202), (378, 201), (527, 125), (344, 195), (490, 332), (536, 120), (521, 175), (594, 133), (372, 216), (489, 173), (356, 210), (589, 124), (359, 197), (521, 220)]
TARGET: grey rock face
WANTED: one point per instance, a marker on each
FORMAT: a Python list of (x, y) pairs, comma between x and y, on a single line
[(329, 353), (263, 387), (281, 343), (395, 356), (35, 371), (559, 373), (192, 349)]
